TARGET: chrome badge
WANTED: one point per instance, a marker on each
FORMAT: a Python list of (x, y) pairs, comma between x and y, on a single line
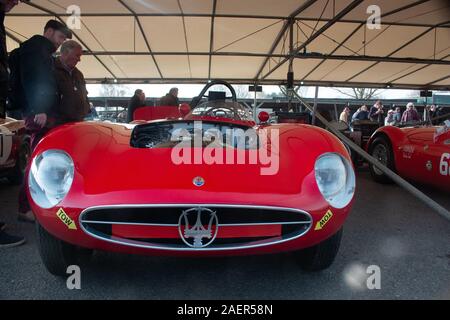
[(197, 224), (429, 165), (198, 181)]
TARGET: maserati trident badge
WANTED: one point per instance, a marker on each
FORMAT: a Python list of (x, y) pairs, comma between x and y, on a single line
[(198, 181), (198, 227)]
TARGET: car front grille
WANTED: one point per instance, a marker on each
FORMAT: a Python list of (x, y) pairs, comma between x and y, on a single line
[(186, 227)]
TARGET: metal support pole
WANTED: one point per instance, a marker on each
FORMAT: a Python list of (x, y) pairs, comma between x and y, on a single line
[(314, 109), (290, 75), (255, 116), (336, 112), (388, 172)]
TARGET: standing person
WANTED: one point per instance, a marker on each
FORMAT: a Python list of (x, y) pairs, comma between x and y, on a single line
[(390, 120), (376, 113), (362, 114), (170, 99), (344, 115), (397, 115), (374, 109), (426, 113), (36, 89), (138, 100), (33, 67), (410, 114), (433, 113), (73, 104), (6, 240)]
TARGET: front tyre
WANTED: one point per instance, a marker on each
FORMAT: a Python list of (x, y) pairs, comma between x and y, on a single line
[(58, 255), (322, 255), (381, 149)]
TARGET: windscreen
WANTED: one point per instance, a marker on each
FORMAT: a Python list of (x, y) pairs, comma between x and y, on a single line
[(193, 134)]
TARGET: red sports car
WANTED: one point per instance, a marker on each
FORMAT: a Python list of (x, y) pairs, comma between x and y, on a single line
[(210, 184), (420, 153), (14, 150)]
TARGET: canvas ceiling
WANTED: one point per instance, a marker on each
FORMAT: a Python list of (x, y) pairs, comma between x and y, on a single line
[(248, 41)]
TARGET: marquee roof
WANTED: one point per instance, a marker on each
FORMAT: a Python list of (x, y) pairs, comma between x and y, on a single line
[(327, 42)]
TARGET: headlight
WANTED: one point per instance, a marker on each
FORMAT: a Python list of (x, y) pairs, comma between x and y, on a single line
[(50, 177), (335, 178)]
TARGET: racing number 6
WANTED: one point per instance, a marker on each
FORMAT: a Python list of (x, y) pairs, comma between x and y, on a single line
[(444, 164)]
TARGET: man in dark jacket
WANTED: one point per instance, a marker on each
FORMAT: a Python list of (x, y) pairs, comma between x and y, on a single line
[(6, 240), (73, 104), (138, 100), (170, 99), (37, 77), (38, 88)]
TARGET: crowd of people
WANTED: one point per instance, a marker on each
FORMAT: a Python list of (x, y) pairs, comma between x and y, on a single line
[(393, 116), (43, 88)]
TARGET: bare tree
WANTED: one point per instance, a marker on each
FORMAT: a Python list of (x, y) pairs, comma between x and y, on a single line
[(114, 90), (360, 93), (242, 92), (301, 91)]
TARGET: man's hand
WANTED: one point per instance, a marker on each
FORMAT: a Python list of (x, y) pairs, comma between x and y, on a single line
[(40, 119)]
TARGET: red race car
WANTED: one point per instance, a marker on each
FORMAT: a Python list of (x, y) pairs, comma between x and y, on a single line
[(210, 184), (14, 150), (420, 153)]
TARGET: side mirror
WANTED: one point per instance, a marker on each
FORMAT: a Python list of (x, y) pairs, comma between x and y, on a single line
[(184, 109), (263, 117)]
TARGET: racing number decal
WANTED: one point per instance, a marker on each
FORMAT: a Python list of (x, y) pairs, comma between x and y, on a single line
[(444, 164)]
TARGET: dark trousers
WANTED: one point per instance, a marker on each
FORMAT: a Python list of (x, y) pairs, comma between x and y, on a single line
[(37, 133)]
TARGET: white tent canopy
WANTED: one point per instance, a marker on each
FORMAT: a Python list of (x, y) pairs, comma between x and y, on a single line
[(253, 41)]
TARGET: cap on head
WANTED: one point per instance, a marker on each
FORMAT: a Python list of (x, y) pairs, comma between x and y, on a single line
[(56, 25)]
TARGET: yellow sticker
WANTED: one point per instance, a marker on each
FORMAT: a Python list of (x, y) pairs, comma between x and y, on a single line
[(322, 222), (66, 219)]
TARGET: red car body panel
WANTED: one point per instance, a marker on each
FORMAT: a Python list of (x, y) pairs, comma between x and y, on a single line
[(419, 153), (109, 172), (149, 113)]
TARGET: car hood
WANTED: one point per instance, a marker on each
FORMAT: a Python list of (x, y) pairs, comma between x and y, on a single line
[(106, 163)]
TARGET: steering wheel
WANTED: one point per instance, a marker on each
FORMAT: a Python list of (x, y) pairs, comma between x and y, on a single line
[(202, 94), (214, 110)]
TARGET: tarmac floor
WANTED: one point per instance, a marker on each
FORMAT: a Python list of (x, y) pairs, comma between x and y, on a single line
[(387, 228)]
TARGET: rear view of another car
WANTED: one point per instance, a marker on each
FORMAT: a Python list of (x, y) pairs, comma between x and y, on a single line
[(14, 150)]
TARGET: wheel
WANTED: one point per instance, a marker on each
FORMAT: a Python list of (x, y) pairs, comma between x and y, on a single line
[(381, 150), (18, 173), (322, 255), (57, 255)]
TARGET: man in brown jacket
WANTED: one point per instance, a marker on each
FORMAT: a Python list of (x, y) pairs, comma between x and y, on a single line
[(73, 101)]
